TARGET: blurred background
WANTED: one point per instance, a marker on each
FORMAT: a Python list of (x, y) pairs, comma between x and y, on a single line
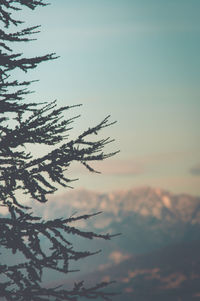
[(137, 61)]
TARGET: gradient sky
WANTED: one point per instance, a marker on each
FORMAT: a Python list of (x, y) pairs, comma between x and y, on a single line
[(137, 60)]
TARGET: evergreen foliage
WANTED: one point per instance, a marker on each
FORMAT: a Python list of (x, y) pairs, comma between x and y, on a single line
[(23, 124)]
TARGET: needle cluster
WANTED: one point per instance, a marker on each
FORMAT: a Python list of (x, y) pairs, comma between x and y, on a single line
[(23, 124)]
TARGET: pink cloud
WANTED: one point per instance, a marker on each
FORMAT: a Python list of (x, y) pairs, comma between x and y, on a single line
[(116, 167), (117, 256), (131, 166)]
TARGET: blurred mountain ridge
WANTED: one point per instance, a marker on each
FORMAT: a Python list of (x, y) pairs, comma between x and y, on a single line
[(145, 201), (148, 218)]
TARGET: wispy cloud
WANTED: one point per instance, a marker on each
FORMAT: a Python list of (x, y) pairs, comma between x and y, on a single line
[(114, 30), (122, 167), (117, 256), (159, 158), (136, 166), (114, 167)]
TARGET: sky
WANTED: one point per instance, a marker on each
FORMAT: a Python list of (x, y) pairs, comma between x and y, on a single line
[(138, 61)]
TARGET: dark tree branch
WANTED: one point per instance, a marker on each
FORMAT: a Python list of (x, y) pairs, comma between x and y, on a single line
[(38, 123)]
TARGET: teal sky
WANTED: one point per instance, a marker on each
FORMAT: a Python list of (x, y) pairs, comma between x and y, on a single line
[(137, 60)]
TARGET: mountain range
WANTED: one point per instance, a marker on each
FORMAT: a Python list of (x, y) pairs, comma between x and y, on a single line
[(145, 201), (157, 255), (148, 218)]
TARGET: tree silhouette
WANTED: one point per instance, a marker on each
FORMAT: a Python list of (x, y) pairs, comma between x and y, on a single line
[(23, 124)]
